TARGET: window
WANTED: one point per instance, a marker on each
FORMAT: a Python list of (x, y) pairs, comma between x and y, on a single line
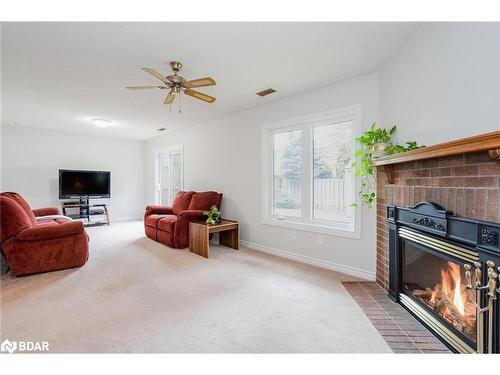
[(308, 180), (287, 175)]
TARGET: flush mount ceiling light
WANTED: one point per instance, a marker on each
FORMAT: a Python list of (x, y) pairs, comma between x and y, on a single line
[(101, 122)]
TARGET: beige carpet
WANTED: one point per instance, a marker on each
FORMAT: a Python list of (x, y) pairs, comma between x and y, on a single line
[(136, 295)]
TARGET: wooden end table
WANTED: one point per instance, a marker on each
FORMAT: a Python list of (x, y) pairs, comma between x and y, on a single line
[(199, 233)]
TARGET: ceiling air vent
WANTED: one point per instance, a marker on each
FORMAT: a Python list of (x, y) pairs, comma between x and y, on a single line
[(266, 92)]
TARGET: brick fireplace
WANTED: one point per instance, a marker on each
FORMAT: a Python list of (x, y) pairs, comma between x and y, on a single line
[(459, 185), (466, 184)]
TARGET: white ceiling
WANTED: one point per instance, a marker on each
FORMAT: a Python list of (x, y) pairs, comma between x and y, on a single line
[(61, 75)]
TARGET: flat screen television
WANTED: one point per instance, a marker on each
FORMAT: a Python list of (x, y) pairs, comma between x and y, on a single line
[(75, 184)]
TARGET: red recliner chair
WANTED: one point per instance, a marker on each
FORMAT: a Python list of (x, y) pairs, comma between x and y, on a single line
[(30, 246), (170, 225)]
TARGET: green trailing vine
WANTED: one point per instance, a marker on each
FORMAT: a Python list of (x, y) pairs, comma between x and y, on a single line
[(363, 162)]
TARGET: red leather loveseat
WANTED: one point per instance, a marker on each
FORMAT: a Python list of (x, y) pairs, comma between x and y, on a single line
[(170, 225), (31, 246)]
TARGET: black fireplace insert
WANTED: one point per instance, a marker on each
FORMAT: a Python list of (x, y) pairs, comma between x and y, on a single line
[(445, 270)]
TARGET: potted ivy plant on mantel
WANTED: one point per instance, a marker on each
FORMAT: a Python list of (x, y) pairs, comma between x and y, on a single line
[(375, 142)]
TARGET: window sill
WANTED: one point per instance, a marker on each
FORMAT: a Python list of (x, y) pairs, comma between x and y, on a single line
[(315, 228)]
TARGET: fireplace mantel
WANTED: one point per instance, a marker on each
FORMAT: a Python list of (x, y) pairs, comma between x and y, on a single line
[(489, 142)]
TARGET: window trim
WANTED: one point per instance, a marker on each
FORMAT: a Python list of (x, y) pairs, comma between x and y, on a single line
[(306, 124)]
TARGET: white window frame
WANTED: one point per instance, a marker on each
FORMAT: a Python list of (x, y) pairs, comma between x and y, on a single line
[(167, 150), (307, 124)]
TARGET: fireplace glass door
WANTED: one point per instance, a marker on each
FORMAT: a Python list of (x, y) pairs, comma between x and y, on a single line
[(440, 285)]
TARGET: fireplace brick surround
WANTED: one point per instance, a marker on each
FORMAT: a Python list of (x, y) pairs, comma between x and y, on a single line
[(467, 184)]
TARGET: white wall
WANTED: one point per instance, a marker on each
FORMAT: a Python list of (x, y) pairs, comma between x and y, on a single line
[(443, 83), (224, 155), (32, 157)]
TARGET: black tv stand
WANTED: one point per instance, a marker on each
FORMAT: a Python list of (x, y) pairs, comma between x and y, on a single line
[(86, 210)]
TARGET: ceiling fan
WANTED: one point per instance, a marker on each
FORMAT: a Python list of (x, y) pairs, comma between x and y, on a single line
[(177, 84)]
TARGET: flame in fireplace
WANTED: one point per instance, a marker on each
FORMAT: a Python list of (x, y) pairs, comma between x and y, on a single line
[(458, 298), (449, 299), (452, 287)]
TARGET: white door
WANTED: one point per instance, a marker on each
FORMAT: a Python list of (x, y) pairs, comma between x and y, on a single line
[(169, 175)]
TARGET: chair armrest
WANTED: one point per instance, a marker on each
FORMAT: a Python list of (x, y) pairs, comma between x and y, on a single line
[(45, 232), (158, 209), (190, 215), (46, 211)]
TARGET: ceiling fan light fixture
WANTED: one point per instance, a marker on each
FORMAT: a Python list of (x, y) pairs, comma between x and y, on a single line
[(176, 66), (175, 90)]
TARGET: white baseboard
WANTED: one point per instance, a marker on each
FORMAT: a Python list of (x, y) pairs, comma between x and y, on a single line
[(353, 271)]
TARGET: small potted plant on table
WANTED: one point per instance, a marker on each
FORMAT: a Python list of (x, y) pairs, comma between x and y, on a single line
[(213, 215)]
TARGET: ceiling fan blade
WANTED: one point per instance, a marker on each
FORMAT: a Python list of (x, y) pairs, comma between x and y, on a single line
[(200, 82), (199, 95), (144, 87), (169, 99), (155, 74)]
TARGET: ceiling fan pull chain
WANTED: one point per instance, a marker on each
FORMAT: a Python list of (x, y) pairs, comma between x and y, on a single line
[(180, 103)]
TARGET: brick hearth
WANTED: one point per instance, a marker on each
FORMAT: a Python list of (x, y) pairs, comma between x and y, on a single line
[(467, 184), (402, 332)]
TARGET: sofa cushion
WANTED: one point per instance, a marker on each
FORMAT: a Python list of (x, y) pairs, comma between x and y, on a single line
[(46, 222), (167, 223), (51, 231), (57, 219), (52, 222), (152, 220), (12, 217), (166, 238), (25, 205), (150, 232), (158, 209), (182, 201), (46, 211), (205, 200), (28, 257)]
